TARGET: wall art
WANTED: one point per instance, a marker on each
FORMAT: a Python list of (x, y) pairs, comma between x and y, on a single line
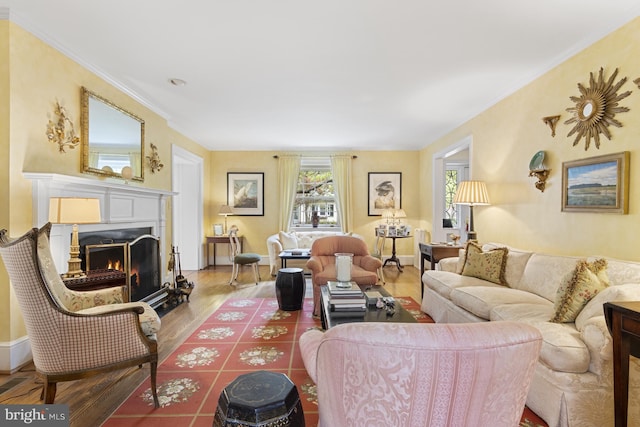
[(596, 184), (385, 192), (245, 193)]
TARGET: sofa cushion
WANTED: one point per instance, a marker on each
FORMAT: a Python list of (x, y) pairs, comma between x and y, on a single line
[(288, 240), (627, 292), (485, 265), (480, 300), (443, 282), (516, 262), (577, 289), (544, 273), (562, 347), (525, 312)]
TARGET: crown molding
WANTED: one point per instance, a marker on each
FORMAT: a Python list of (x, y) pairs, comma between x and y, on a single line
[(51, 41)]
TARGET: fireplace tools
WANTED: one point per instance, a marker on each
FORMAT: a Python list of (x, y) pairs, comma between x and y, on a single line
[(182, 286)]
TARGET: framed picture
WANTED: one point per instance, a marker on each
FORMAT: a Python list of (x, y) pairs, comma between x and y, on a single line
[(245, 193), (385, 192), (596, 184), (217, 229)]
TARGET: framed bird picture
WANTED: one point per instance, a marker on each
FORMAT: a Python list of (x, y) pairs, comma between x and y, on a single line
[(385, 191), (245, 193)]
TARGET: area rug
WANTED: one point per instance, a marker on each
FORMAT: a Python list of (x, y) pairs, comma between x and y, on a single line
[(242, 336)]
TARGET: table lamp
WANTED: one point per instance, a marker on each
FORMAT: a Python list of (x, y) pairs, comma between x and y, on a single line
[(471, 193), (74, 210), (226, 211)]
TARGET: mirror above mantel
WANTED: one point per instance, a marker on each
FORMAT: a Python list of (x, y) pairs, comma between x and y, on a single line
[(112, 139)]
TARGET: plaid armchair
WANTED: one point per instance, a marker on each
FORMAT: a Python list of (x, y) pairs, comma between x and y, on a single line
[(74, 335)]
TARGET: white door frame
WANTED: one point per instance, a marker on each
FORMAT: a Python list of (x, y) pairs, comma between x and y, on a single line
[(184, 237), (438, 233)]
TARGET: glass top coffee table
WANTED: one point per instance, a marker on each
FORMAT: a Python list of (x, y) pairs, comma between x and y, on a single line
[(293, 254), (373, 314)]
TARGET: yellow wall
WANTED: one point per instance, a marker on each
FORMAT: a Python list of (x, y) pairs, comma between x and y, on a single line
[(5, 171), (37, 76), (257, 229), (507, 135)]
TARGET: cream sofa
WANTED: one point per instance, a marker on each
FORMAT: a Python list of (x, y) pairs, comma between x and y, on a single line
[(281, 241), (573, 382)]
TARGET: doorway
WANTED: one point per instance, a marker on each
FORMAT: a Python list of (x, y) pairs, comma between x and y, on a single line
[(187, 207), (454, 157)]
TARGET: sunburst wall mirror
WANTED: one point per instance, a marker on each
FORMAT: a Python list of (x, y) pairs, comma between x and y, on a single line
[(595, 108)]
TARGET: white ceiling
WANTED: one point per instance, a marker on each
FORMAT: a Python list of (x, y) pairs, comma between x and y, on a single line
[(323, 75)]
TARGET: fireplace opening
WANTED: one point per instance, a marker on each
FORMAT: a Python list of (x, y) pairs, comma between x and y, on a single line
[(131, 251), (110, 256)]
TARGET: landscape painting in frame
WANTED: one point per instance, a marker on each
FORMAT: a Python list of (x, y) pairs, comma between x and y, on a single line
[(596, 184), (385, 191), (245, 193)]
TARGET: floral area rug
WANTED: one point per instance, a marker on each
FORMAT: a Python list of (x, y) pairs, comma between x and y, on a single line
[(242, 336)]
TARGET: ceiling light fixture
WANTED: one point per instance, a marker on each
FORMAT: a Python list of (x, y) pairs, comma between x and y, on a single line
[(177, 82)]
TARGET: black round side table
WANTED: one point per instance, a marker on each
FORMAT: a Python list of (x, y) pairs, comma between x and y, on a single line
[(290, 289), (260, 398)]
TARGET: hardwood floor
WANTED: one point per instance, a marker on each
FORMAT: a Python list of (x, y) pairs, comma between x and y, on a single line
[(92, 400)]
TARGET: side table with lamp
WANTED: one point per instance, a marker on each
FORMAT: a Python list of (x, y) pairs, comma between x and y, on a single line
[(225, 210)]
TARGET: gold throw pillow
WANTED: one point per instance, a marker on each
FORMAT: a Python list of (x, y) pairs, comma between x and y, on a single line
[(488, 266), (576, 291)]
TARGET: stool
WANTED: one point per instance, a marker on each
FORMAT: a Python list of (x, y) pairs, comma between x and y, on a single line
[(290, 289), (261, 398)]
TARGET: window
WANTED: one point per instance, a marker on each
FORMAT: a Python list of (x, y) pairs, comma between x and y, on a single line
[(315, 194), (452, 176)]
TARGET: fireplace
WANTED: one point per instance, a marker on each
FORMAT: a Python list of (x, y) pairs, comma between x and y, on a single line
[(135, 254)]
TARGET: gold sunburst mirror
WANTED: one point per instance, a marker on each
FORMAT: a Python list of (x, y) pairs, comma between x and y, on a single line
[(595, 108)]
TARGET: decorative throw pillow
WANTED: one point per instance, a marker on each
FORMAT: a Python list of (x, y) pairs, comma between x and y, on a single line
[(288, 240), (488, 265), (576, 290)]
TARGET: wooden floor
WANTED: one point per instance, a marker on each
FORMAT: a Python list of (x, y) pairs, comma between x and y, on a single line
[(92, 400)]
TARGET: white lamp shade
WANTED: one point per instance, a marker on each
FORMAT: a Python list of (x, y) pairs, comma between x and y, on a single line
[(400, 213), (471, 193), (72, 210), (225, 210)]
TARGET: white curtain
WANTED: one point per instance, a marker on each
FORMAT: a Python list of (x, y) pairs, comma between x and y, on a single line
[(288, 171), (341, 171)]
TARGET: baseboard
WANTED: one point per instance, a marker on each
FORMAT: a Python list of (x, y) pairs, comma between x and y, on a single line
[(14, 355)]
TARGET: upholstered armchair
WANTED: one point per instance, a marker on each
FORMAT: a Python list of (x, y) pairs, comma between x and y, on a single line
[(322, 263), (401, 374), (74, 335)]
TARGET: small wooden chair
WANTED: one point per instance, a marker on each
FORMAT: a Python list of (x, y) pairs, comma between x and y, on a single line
[(239, 259)]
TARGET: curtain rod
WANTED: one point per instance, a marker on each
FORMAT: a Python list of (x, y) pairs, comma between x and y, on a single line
[(275, 156)]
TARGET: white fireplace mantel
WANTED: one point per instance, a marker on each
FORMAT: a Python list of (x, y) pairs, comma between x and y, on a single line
[(121, 206)]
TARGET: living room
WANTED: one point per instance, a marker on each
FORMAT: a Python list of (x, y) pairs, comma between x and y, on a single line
[(504, 137)]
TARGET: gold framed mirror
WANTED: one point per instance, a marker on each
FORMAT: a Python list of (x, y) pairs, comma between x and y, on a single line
[(112, 139)]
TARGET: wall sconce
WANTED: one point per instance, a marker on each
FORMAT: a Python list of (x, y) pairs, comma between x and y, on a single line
[(537, 169), (57, 131), (551, 121), (155, 164)]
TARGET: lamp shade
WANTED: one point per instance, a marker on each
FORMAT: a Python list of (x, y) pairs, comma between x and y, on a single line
[(225, 210), (471, 193), (73, 210), (400, 213)]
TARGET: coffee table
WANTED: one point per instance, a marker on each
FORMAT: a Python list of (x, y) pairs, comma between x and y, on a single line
[(373, 314), (287, 255)]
